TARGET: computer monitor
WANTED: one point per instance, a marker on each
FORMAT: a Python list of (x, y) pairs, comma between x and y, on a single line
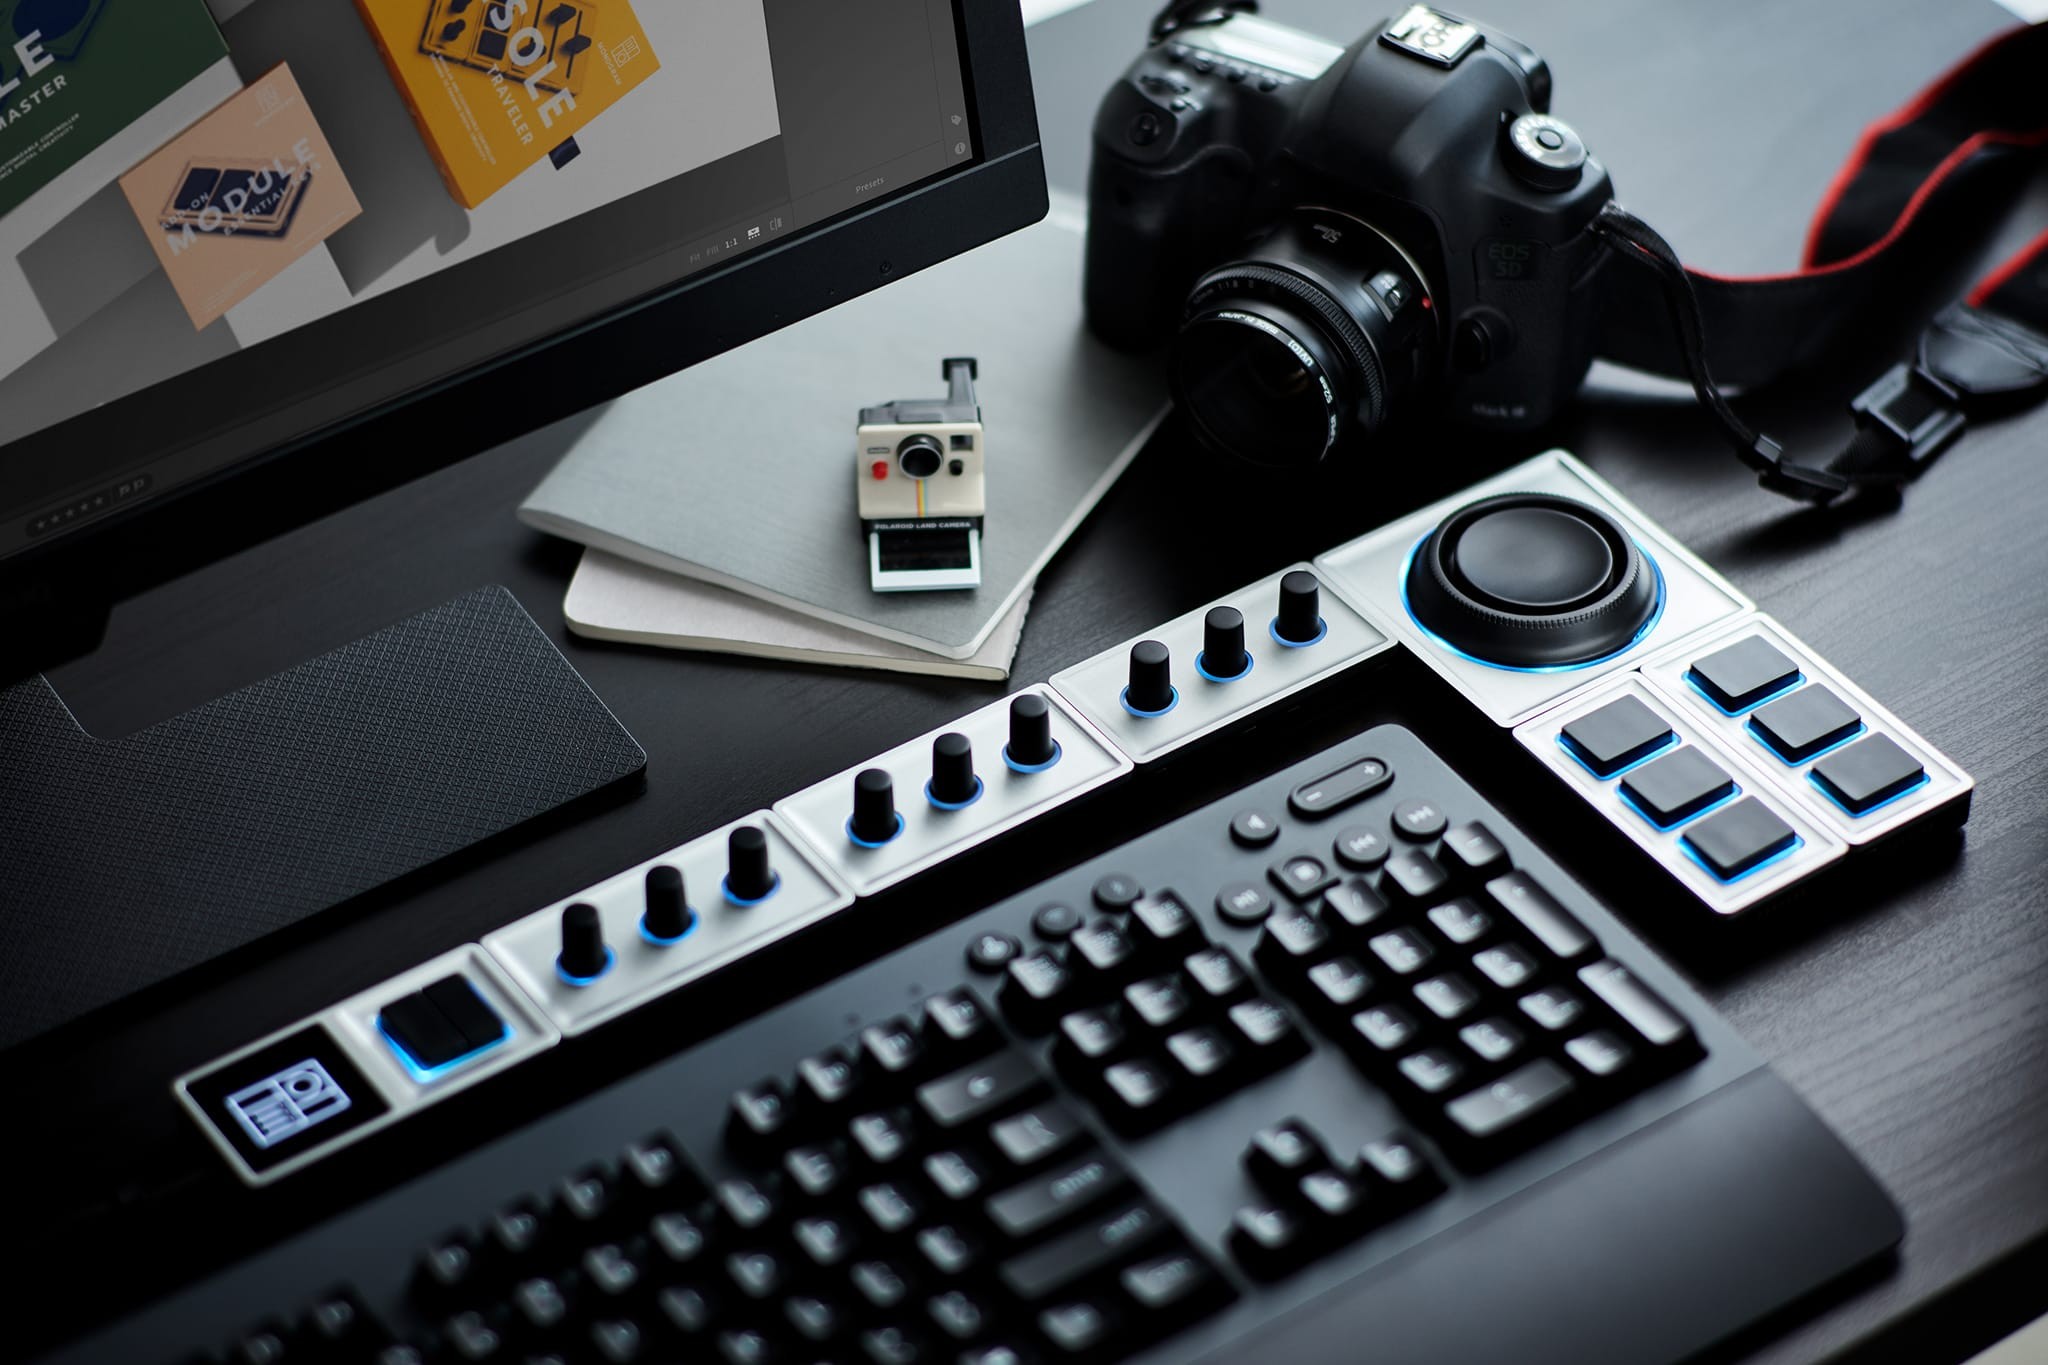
[(671, 178)]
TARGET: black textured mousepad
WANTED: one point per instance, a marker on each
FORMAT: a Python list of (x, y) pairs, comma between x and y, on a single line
[(123, 862)]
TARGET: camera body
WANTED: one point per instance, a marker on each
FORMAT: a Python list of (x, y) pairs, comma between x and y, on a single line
[(918, 481), (1323, 232)]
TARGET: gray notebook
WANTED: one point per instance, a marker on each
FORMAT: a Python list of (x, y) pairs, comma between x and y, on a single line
[(740, 471)]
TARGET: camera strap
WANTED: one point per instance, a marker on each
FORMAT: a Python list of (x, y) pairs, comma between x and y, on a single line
[(1922, 184)]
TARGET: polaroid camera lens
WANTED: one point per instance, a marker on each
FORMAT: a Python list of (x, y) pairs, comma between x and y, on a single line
[(920, 456), (1313, 333)]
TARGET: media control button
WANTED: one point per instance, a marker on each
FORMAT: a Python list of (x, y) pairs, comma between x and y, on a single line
[(1736, 677), (1868, 773), (1318, 797), (1622, 732), (1804, 722), (1739, 838)]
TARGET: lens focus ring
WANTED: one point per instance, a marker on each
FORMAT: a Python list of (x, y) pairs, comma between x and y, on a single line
[(1365, 365)]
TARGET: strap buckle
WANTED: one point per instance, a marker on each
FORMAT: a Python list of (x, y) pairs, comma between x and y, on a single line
[(1906, 419)]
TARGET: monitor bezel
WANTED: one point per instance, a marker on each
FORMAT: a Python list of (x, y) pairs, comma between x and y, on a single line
[(54, 597)]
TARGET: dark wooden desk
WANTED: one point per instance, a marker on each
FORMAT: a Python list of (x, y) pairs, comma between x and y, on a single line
[(1913, 1015)]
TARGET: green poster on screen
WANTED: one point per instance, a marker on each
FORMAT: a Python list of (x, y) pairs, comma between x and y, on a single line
[(75, 72)]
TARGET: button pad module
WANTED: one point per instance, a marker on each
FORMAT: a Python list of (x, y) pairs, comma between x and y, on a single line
[(1704, 806), (1809, 730)]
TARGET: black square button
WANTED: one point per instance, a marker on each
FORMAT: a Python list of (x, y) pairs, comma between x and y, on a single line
[(1616, 735), (1868, 773), (441, 1024), (1737, 838), (1798, 726), (1740, 675), (1676, 787)]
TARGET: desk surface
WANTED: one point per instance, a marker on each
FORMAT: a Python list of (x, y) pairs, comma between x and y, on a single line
[(1913, 1016)]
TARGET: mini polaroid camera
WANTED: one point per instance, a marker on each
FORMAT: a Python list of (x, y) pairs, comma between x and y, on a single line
[(918, 482)]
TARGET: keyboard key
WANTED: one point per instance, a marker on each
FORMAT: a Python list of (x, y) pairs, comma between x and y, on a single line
[(1419, 819), (990, 953), (1037, 1134), (1056, 922), (1199, 1055), (1138, 1092), (1361, 849), (1337, 988), (748, 1347), (1159, 1003), (947, 1251), (881, 1139), (1670, 790), (889, 1208), (1254, 828), (979, 1091), (1508, 966), (1601, 1053), (1037, 989), (609, 1271), (1164, 928), (1335, 1201), (584, 1198), (1384, 1029), (1539, 914), (1100, 956), (824, 1242), (1432, 1070), (1461, 921), (1269, 1240), (956, 1176), (1404, 951), (893, 1346), (1054, 1266), (1553, 1008), (1802, 723), (745, 1206), (890, 1051), (1290, 943), (1281, 1155), (538, 1305), (814, 1319), (1622, 732), (880, 1284), (1740, 675), (1352, 907), (1414, 878), (756, 1275), (1659, 1027), (1091, 1036), (1737, 838), (1492, 1041), (1450, 997), (958, 1314), (1264, 1034), (1025, 1210), (1117, 892), (1075, 1328), (1300, 875), (654, 1164), (815, 1171), (1318, 797), (956, 1025), (1868, 773), (1400, 1167), (759, 1118), (1514, 1102), (1216, 977), (616, 1341), (1172, 1283), (1471, 854), (1243, 903), (677, 1240)]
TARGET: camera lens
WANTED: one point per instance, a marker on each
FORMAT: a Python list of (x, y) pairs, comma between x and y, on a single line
[(1307, 338), (919, 456)]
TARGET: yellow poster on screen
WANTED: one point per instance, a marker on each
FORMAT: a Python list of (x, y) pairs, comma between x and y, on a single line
[(497, 85)]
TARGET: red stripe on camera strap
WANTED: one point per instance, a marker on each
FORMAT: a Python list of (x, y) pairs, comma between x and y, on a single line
[(1923, 186)]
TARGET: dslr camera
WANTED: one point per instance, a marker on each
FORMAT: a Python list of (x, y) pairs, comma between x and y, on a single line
[(1326, 234)]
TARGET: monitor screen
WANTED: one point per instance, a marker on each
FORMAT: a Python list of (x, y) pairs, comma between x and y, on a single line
[(227, 223)]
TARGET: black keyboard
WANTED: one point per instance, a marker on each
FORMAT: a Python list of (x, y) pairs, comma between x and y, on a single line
[(1340, 1067)]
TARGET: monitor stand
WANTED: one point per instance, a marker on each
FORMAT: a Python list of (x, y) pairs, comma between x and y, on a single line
[(127, 861)]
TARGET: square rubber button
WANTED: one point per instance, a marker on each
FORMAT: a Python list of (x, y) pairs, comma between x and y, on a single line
[(1737, 838), (1868, 773), (1672, 789), (1740, 675), (1798, 726), (1620, 733)]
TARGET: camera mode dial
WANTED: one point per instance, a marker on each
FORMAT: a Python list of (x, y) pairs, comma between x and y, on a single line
[(1545, 152)]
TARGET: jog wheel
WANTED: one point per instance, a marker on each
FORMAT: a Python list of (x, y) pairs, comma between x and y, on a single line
[(1532, 580)]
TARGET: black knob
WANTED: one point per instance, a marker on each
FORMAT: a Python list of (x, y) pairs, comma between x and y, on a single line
[(1301, 606), (1031, 744), (1545, 152), (584, 955), (668, 914), (1223, 656), (1151, 687), (874, 807), (747, 874), (953, 779), (1533, 580)]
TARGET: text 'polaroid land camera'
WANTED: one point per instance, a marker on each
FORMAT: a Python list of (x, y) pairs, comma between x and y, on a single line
[(918, 478), (1326, 232)]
